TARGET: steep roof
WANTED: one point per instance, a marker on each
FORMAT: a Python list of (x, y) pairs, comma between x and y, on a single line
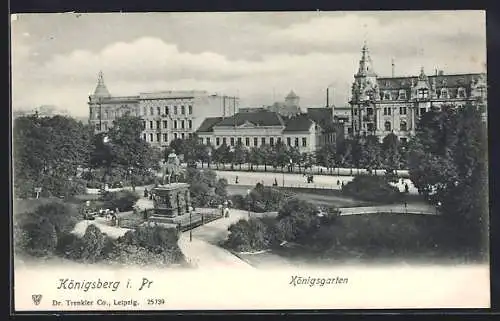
[(448, 81), (208, 124), (259, 118), (298, 123)]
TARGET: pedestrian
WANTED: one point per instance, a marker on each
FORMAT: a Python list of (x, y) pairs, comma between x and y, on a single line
[(146, 193), (407, 189), (236, 179), (338, 182), (406, 204), (342, 184)]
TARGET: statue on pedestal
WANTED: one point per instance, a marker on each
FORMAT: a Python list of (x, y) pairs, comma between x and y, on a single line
[(171, 168)]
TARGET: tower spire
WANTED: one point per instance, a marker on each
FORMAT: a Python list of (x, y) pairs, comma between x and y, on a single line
[(100, 89), (365, 64)]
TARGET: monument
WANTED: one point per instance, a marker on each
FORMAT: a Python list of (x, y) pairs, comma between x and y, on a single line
[(171, 199)]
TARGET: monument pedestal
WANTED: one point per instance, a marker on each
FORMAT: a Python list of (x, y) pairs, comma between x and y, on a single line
[(171, 203)]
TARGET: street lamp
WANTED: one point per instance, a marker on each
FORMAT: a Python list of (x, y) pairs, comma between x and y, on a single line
[(248, 203), (190, 209)]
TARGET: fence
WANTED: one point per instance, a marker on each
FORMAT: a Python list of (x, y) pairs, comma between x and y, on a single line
[(316, 170)]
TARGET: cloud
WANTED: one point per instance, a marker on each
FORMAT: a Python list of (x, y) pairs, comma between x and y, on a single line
[(260, 61)]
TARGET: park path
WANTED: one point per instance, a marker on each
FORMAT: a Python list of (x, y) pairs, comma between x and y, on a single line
[(411, 208), (204, 250)]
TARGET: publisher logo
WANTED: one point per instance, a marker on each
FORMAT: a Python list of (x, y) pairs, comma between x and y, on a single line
[(36, 298)]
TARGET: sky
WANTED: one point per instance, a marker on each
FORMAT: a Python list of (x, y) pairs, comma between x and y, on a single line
[(257, 56)]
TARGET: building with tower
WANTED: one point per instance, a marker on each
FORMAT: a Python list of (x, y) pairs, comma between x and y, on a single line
[(384, 105), (288, 108), (166, 115)]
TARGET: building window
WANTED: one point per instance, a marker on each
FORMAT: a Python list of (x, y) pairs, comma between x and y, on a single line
[(263, 141), (296, 142), (423, 93), (158, 110), (369, 111), (144, 136), (190, 109), (166, 110), (288, 141), (150, 124), (232, 141), (387, 126), (183, 110), (106, 115), (402, 126), (278, 140), (369, 127), (422, 111), (404, 140), (239, 140), (150, 137), (175, 135), (208, 140), (151, 111), (402, 110), (144, 111), (255, 141), (461, 93), (175, 124), (182, 136), (304, 142), (143, 124), (158, 137), (224, 141), (271, 141), (165, 137), (165, 123), (247, 141), (444, 93), (190, 124), (355, 112), (387, 111), (105, 126), (158, 124), (387, 95), (182, 124), (402, 94), (175, 110), (217, 141)]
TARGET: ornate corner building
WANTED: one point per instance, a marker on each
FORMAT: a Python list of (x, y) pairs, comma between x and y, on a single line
[(383, 105), (166, 115)]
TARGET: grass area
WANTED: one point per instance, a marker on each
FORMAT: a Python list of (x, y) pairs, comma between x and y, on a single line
[(385, 237), (130, 219)]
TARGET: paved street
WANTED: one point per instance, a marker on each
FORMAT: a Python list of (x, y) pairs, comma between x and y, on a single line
[(297, 180), (413, 208), (111, 231), (204, 252)]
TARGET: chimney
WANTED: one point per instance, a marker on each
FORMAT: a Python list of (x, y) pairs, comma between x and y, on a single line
[(327, 96), (393, 67)]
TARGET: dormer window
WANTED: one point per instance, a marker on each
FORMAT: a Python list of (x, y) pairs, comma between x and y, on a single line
[(461, 93), (444, 93), (423, 93), (402, 94), (387, 95)]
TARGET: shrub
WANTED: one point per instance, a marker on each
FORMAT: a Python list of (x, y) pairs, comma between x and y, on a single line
[(297, 219), (239, 201), (252, 235), (128, 254), (123, 200), (156, 239), (36, 236), (372, 188), (265, 199), (94, 246), (62, 216)]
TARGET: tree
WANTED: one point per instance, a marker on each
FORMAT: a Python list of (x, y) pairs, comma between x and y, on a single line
[(221, 155), (267, 155), (370, 154), (391, 152), (240, 155), (448, 163), (255, 157), (47, 152)]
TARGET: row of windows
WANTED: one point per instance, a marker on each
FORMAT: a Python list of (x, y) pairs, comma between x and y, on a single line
[(163, 137), (176, 124), (386, 111), (255, 140), (424, 93), (387, 126), (166, 110), (98, 113)]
